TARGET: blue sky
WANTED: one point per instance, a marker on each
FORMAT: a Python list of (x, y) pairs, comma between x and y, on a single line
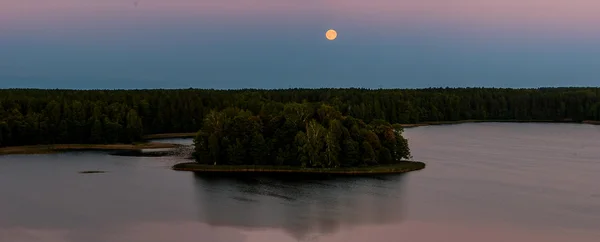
[(281, 44)]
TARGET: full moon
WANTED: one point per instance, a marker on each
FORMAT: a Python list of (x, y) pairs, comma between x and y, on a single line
[(331, 34)]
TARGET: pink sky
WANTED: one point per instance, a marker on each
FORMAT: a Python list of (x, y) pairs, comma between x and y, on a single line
[(542, 13)]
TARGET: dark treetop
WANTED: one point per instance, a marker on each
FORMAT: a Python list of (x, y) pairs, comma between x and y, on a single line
[(299, 135), (36, 116)]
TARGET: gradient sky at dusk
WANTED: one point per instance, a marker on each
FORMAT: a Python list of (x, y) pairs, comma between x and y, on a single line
[(281, 43)]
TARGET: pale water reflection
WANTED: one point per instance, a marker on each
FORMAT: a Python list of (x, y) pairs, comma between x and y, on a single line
[(484, 182), (302, 208)]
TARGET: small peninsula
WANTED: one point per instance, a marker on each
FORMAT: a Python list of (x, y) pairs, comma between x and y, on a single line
[(300, 138), (55, 148)]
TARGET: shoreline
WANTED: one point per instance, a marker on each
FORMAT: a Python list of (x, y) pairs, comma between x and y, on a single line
[(591, 122), (402, 167), (55, 148), (169, 136)]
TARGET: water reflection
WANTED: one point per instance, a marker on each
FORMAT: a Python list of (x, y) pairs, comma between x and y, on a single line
[(303, 207), (483, 182)]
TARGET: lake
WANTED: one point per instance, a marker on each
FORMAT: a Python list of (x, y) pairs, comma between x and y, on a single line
[(483, 182)]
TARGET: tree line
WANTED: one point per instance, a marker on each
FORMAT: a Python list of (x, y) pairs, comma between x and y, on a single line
[(42, 116), (302, 134)]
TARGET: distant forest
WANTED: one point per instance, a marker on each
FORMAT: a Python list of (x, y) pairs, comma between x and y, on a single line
[(38, 116)]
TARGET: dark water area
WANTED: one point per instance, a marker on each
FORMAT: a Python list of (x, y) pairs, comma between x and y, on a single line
[(483, 182)]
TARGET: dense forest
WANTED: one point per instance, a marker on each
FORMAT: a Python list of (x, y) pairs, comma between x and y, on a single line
[(38, 116), (302, 134)]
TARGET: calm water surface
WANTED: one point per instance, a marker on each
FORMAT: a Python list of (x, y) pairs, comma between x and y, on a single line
[(483, 182)]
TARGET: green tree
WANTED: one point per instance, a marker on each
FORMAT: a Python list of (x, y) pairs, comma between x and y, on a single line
[(3, 132), (134, 126), (214, 122), (368, 154), (302, 145), (371, 137), (96, 134), (351, 153), (315, 134), (214, 148), (327, 113), (236, 153), (297, 113), (332, 149), (259, 149), (385, 156), (401, 149), (113, 131)]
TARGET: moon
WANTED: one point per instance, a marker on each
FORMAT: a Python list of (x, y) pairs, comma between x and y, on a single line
[(331, 34)]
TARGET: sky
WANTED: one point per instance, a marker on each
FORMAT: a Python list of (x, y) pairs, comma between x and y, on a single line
[(232, 44)]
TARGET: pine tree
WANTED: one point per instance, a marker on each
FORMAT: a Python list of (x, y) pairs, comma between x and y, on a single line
[(96, 133), (134, 127), (259, 150)]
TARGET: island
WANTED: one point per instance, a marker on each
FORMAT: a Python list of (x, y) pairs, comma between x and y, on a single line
[(299, 138)]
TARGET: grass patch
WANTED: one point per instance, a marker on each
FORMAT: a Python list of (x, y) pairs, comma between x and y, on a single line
[(383, 169), (45, 149)]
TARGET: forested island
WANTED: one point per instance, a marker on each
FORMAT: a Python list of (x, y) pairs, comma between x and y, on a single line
[(101, 117), (302, 135)]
